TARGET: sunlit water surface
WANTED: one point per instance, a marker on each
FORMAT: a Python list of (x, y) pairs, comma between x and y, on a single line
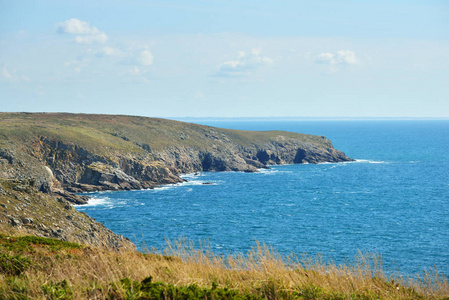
[(394, 199)]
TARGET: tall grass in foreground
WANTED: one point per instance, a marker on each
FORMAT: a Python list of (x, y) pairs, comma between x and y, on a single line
[(39, 268), (263, 265)]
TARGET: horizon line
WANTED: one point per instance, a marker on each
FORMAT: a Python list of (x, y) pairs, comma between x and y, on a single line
[(299, 118)]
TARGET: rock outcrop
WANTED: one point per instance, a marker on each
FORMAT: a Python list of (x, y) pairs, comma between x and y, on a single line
[(26, 210)]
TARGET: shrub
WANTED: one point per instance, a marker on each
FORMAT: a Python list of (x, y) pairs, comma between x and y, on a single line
[(147, 289)]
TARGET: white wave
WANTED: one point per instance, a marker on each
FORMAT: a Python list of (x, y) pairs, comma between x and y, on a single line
[(159, 188), (185, 183), (267, 171), (367, 161), (271, 171), (98, 192), (95, 202)]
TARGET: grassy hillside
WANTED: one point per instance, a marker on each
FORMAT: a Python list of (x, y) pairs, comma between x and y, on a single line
[(99, 132), (40, 268)]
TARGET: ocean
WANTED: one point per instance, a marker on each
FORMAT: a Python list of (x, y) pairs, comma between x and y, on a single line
[(393, 200)]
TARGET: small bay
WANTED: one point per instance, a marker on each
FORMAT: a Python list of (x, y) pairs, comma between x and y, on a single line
[(393, 200)]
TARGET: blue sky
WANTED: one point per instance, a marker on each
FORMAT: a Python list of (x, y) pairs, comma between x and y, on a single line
[(226, 58)]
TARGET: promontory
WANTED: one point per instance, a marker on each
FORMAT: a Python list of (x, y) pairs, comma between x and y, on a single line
[(46, 159)]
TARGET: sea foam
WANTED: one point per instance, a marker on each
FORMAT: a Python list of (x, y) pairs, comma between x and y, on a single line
[(370, 161), (94, 202)]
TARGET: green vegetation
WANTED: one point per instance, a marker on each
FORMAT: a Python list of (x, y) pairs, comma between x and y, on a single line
[(42, 268), (146, 289), (99, 133), (29, 243), (13, 265)]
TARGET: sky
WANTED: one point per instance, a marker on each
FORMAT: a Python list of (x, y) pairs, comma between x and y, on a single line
[(230, 58)]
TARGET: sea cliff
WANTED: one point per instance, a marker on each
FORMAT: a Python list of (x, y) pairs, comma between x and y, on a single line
[(53, 156)]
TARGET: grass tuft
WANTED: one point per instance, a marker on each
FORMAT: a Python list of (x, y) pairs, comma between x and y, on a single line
[(13, 265)]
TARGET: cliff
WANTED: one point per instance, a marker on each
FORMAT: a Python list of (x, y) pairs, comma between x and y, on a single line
[(64, 154), (25, 210)]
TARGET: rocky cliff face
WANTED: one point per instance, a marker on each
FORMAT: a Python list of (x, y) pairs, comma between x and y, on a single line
[(26, 210), (64, 154), (75, 169)]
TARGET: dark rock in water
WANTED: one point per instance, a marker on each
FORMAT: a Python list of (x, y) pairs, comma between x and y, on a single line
[(255, 163), (72, 198)]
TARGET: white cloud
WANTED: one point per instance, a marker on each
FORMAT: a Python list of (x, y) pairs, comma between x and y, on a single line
[(338, 60), (137, 75), (342, 57), (92, 39), (12, 76), (244, 64), (108, 51), (75, 26), (146, 58), (86, 34), (138, 58)]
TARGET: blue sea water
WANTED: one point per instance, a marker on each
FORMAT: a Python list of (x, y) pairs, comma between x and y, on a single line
[(393, 200)]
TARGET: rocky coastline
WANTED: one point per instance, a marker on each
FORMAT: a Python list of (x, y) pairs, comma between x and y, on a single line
[(56, 156)]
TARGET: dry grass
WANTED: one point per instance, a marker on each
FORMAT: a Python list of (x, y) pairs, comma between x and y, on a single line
[(93, 273), (263, 265)]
